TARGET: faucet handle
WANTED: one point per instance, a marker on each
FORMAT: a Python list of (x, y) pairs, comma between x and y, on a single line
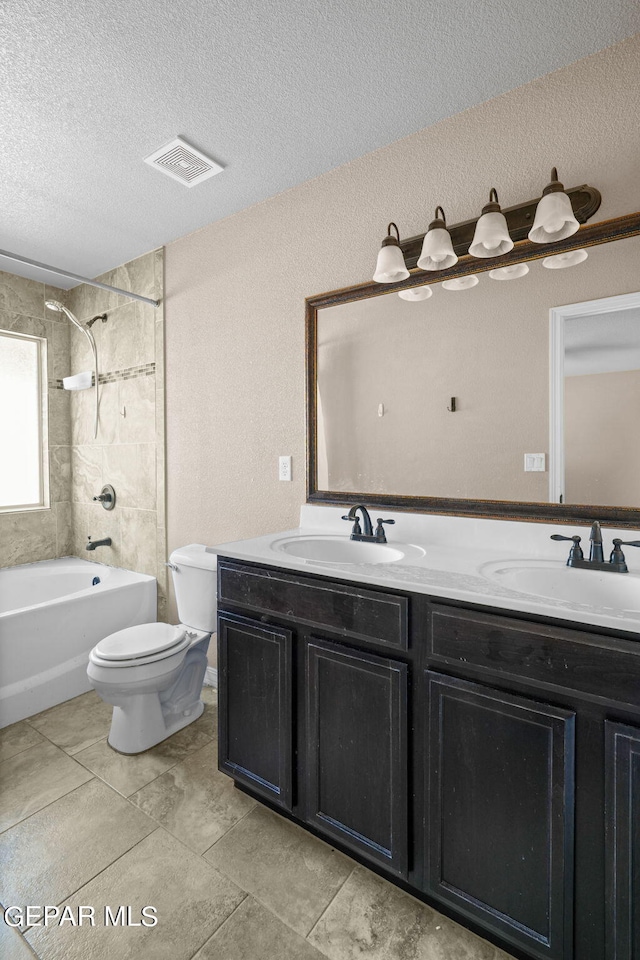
[(380, 534), (617, 556), (356, 525), (576, 550)]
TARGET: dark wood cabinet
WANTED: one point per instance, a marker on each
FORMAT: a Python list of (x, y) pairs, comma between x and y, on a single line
[(356, 737), (622, 786), (487, 762), (256, 707), (499, 842)]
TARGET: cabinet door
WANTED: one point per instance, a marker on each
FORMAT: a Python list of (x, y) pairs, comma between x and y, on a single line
[(255, 706), (623, 841), (499, 843), (357, 751)]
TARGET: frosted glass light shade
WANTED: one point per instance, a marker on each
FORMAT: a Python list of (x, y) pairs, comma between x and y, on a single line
[(554, 219), (461, 283), (416, 293), (511, 272), (437, 250), (390, 266), (491, 237), (563, 260)]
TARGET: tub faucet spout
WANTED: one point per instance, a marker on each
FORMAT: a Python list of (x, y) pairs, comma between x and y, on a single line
[(92, 544)]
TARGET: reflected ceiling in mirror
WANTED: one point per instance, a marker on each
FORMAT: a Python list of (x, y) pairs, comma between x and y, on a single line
[(444, 403)]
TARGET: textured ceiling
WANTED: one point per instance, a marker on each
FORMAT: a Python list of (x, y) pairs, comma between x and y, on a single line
[(278, 91)]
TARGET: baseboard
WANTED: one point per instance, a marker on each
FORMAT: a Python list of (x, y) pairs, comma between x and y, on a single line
[(211, 677)]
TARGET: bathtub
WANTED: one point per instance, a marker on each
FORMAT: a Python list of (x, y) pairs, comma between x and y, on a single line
[(51, 615)]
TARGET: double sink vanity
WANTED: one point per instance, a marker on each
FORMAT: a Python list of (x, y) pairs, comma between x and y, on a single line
[(435, 691), (455, 707)]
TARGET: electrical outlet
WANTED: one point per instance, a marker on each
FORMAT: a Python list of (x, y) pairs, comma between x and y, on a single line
[(284, 468)]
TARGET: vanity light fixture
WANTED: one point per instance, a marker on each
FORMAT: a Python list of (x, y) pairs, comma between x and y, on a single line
[(511, 272), (416, 293), (461, 283), (437, 249), (491, 237), (562, 260), (390, 266), (554, 218)]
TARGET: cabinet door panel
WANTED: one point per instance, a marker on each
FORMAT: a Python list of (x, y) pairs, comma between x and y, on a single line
[(357, 742), (623, 841), (500, 818), (255, 706)]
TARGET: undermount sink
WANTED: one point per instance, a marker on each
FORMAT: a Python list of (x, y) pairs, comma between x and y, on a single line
[(335, 549), (553, 580)]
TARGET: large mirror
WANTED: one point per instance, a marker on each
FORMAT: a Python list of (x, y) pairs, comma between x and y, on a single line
[(515, 394)]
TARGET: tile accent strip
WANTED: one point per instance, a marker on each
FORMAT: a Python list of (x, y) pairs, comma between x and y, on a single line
[(128, 373)]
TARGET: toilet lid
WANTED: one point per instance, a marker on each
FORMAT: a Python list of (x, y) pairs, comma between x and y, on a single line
[(140, 641)]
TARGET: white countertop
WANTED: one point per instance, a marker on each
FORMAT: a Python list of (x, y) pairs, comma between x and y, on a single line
[(455, 550)]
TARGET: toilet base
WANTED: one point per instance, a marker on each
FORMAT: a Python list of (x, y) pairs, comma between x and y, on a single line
[(148, 709), (138, 733)]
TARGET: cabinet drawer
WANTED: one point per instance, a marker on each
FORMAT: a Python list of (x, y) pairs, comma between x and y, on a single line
[(602, 667), (379, 618)]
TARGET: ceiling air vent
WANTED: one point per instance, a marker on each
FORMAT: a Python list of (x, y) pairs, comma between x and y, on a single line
[(183, 163)]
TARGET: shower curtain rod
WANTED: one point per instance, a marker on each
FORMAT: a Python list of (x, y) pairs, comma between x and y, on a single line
[(75, 276)]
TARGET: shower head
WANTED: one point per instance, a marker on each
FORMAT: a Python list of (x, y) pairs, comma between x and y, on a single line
[(60, 308)]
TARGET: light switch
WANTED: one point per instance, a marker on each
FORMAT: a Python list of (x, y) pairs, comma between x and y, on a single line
[(535, 462)]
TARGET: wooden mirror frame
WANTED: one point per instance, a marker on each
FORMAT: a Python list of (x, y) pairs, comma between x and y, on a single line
[(589, 235)]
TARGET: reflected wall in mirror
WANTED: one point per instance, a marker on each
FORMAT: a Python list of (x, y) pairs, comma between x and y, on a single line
[(384, 371), (595, 402)]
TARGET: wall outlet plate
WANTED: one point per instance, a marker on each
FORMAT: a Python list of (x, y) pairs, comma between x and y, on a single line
[(284, 468)]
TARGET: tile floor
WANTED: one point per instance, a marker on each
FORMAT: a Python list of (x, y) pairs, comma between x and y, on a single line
[(81, 825)]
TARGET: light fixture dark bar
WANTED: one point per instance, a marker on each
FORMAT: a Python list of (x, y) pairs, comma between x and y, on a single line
[(585, 200), (76, 276)]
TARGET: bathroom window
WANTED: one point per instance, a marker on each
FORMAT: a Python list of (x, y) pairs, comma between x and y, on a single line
[(23, 448)]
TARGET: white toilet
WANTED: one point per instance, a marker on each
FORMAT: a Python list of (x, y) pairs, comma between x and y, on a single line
[(153, 673)]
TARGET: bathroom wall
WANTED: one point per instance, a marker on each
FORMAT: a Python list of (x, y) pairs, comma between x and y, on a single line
[(235, 290), (602, 413), (41, 534), (129, 450)]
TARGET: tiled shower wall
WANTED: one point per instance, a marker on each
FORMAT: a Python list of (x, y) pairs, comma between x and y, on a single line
[(41, 534), (129, 449)]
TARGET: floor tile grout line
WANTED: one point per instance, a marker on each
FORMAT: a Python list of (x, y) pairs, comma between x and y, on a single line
[(50, 803), (23, 750), (226, 834), (106, 867), (218, 928), (315, 924), (125, 795), (168, 770), (26, 944)]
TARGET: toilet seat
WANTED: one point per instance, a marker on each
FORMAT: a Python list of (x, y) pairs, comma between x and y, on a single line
[(144, 641)]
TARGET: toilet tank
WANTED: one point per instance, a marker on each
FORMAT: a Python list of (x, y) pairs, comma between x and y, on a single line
[(194, 574)]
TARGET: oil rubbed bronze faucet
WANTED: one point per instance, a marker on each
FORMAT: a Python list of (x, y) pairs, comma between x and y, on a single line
[(92, 544), (616, 562), (368, 536)]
